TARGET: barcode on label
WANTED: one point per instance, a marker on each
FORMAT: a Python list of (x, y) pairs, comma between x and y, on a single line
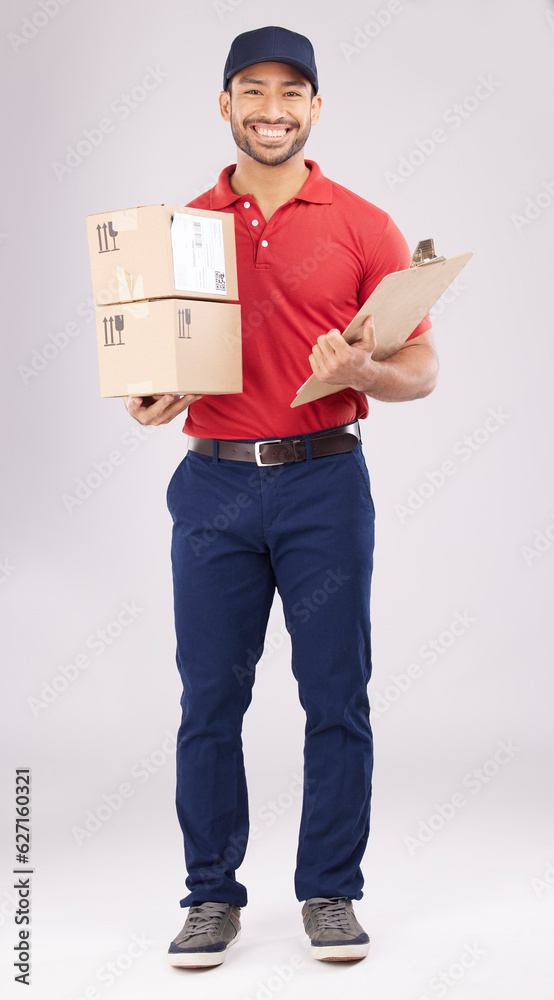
[(197, 234), (219, 281)]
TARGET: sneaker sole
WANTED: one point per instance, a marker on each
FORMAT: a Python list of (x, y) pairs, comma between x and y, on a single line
[(200, 959), (340, 952)]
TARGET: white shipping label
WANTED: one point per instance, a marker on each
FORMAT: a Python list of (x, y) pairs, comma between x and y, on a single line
[(198, 254)]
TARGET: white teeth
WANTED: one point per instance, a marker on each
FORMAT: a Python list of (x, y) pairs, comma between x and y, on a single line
[(271, 133)]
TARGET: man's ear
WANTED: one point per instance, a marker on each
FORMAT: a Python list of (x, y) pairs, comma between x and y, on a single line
[(315, 110), (225, 105)]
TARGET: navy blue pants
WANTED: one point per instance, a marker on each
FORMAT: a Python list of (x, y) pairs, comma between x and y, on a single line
[(239, 531)]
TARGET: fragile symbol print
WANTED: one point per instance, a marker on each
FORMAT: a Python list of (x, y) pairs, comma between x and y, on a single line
[(184, 320), (113, 323), (103, 232)]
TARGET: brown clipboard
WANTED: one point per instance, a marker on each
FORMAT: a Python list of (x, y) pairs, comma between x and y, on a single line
[(398, 304)]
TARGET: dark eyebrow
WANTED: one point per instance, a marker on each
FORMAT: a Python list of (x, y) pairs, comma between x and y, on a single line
[(264, 83)]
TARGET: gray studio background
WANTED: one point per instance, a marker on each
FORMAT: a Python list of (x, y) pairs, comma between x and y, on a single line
[(460, 864)]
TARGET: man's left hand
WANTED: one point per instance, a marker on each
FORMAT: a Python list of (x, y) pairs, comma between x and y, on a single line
[(337, 363)]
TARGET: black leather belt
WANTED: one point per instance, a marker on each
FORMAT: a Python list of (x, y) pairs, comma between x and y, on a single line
[(279, 451)]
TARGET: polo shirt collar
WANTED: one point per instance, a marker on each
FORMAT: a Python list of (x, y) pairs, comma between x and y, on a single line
[(317, 189)]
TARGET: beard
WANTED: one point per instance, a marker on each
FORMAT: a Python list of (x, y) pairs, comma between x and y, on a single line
[(270, 157)]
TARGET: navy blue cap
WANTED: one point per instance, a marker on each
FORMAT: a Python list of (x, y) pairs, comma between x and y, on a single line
[(271, 45)]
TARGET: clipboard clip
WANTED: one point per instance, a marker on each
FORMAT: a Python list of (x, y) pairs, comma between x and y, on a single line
[(424, 253)]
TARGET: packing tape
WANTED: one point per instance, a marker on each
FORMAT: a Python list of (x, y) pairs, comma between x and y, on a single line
[(137, 309), (125, 220), (130, 286), (139, 388)]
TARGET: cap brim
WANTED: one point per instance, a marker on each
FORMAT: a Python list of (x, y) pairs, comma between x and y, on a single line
[(281, 59)]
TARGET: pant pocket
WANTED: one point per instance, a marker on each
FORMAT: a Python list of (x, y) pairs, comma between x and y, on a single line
[(358, 457), (173, 483)]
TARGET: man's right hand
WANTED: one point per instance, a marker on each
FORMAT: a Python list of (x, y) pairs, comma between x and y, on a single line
[(158, 409)]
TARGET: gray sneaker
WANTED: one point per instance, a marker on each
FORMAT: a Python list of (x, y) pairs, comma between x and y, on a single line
[(334, 932), (209, 930)]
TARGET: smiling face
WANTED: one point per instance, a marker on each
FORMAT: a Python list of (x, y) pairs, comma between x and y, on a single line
[(271, 110)]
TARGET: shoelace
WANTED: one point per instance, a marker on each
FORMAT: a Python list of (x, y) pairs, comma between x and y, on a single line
[(331, 913), (205, 917)]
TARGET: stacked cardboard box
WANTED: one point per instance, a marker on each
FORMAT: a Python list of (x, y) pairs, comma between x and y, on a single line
[(165, 291)]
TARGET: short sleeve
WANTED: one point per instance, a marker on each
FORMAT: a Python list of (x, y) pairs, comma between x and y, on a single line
[(390, 253)]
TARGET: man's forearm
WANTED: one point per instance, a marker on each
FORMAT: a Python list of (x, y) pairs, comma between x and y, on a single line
[(411, 373)]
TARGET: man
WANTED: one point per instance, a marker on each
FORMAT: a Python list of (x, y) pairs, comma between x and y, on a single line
[(295, 513)]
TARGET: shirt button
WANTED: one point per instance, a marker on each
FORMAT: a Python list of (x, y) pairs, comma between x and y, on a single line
[(264, 243), (247, 204), (255, 222)]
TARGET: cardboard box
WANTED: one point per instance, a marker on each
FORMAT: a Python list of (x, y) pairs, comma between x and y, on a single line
[(160, 251), (169, 345)]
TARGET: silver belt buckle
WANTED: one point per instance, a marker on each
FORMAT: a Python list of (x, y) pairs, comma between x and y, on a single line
[(257, 445)]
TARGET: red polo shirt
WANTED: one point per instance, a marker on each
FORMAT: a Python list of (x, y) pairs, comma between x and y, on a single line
[(306, 271)]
